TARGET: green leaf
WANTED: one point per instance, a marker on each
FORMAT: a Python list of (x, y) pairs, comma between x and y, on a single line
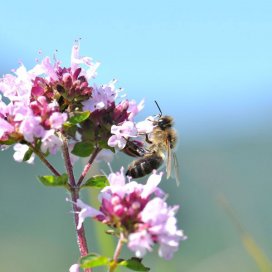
[(97, 182), (79, 117), (83, 149), (93, 260), (70, 130), (28, 154), (133, 264), (54, 180), (8, 142), (104, 145)]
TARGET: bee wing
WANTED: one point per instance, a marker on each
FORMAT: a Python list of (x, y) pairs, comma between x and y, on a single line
[(176, 168), (169, 164), (168, 160)]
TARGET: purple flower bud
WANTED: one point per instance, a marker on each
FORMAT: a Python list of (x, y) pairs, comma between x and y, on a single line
[(145, 219), (67, 80), (76, 73), (120, 113)]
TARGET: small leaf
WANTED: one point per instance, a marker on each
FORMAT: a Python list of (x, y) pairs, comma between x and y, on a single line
[(97, 182), (104, 145), (93, 260), (28, 154), (79, 117), (54, 180), (70, 129), (133, 264), (83, 149), (8, 142)]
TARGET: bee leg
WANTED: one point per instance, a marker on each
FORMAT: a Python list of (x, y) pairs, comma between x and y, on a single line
[(147, 139), (134, 148)]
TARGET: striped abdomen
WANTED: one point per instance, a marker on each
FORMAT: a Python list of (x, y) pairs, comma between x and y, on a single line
[(144, 165)]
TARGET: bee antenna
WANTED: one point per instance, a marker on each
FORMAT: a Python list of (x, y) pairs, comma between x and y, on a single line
[(158, 107)]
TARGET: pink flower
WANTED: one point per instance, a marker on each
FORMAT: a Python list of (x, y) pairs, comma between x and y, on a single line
[(140, 242), (76, 59), (20, 150), (146, 126), (102, 97), (86, 211), (31, 128), (162, 224), (5, 129), (139, 212), (50, 142), (57, 119), (74, 268), (49, 69), (18, 110), (133, 108), (121, 133)]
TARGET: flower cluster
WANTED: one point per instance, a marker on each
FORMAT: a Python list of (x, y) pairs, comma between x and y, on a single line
[(50, 107), (139, 212), (36, 106)]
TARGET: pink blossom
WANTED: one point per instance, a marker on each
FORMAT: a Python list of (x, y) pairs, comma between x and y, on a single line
[(162, 224), (120, 113), (137, 209), (140, 242), (76, 59), (117, 185), (146, 126), (20, 150), (49, 69), (57, 119), (3, 107), (133, 108), (86, 211), (102, 97), (16, 87), (19, 110), (151, 184), (5, 129), (121, 133), (50, 142), (31, 128), (74, 268)]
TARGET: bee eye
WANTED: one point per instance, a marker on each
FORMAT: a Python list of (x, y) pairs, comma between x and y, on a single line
[(161, 123)]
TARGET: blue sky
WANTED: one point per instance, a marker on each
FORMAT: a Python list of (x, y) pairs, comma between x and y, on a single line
[(207, 63)]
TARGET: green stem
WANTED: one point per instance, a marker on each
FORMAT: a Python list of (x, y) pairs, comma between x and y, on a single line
[(88, 166), (117, 253), (43, 159), (74, 190)]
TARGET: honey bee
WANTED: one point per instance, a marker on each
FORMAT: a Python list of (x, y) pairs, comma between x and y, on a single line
[(159, 148)]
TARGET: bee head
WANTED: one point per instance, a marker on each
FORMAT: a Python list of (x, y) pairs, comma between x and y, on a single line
[(165, 122)]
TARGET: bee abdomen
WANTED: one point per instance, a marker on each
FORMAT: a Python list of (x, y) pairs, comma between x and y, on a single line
[(144, 166)]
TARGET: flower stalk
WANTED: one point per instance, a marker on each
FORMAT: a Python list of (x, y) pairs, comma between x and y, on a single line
[(74, 190), (44, 160), (117, 253), (88, 166)]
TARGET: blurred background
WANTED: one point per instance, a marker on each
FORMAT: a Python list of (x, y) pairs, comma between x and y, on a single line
[(209, 65)]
